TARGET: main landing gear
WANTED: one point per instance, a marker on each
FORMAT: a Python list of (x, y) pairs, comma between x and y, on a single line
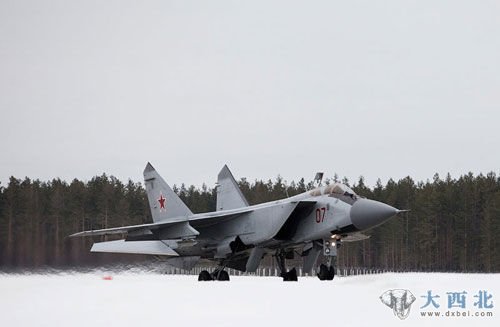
[(327, 269), (219, 274), (288, 276), (204, 276)]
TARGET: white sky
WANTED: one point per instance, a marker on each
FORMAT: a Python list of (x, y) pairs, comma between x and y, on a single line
[(379, 89)]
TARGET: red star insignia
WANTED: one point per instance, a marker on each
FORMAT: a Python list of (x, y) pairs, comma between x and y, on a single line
[(162, 201)]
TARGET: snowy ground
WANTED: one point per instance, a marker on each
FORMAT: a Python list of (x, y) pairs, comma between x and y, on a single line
[(132, 299)]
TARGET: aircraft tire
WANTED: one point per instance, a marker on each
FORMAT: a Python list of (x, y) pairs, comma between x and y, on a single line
[(223, 276), (323, 273), (331, 273), (290, 276), (204, 276)]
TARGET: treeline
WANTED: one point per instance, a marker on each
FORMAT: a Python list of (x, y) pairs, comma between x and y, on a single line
[(453, 224)]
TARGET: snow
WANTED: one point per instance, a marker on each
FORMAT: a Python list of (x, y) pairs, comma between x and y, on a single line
[(141, 299)]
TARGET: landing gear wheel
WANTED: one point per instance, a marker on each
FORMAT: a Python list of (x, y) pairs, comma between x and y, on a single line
[(223, 276), (331, 271), (220, 275), (326, 273), (290, 276), (204, 276)]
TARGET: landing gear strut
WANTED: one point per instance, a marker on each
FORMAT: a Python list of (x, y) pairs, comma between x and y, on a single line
[(327, 269), (326, 272), (288, 276), (220, 275)]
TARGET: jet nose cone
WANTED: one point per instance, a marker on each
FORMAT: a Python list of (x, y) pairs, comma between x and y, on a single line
[(368, 213)]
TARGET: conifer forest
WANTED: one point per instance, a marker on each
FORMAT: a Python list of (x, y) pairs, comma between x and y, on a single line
[(453, 225)]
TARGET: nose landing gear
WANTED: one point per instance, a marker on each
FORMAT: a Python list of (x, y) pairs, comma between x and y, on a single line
[(326, 272), (327, 269)]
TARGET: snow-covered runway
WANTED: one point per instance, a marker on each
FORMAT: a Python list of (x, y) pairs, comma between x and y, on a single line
[(132, 299)]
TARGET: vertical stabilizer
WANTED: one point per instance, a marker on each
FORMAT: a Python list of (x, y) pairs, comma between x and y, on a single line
[(163, 201), (229, 195)]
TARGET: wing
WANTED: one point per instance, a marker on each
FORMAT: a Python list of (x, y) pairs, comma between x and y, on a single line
[(198, 220), (117, 230)]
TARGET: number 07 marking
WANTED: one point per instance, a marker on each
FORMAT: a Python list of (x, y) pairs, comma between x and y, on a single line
[(320, 214)]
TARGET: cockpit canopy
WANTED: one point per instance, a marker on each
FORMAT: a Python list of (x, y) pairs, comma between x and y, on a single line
[(337, 190)]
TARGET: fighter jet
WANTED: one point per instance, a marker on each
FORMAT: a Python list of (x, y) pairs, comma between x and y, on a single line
[(238, 235)]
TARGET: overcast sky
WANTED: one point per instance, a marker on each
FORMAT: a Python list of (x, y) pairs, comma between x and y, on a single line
[(373, 88)]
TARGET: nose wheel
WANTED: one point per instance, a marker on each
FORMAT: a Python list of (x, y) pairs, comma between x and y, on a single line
[(326, 272)]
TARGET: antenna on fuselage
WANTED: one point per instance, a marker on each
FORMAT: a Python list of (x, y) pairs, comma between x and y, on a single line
[(318, 178)]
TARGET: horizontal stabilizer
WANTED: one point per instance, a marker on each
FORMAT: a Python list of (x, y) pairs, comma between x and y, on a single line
[(134, 247)]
